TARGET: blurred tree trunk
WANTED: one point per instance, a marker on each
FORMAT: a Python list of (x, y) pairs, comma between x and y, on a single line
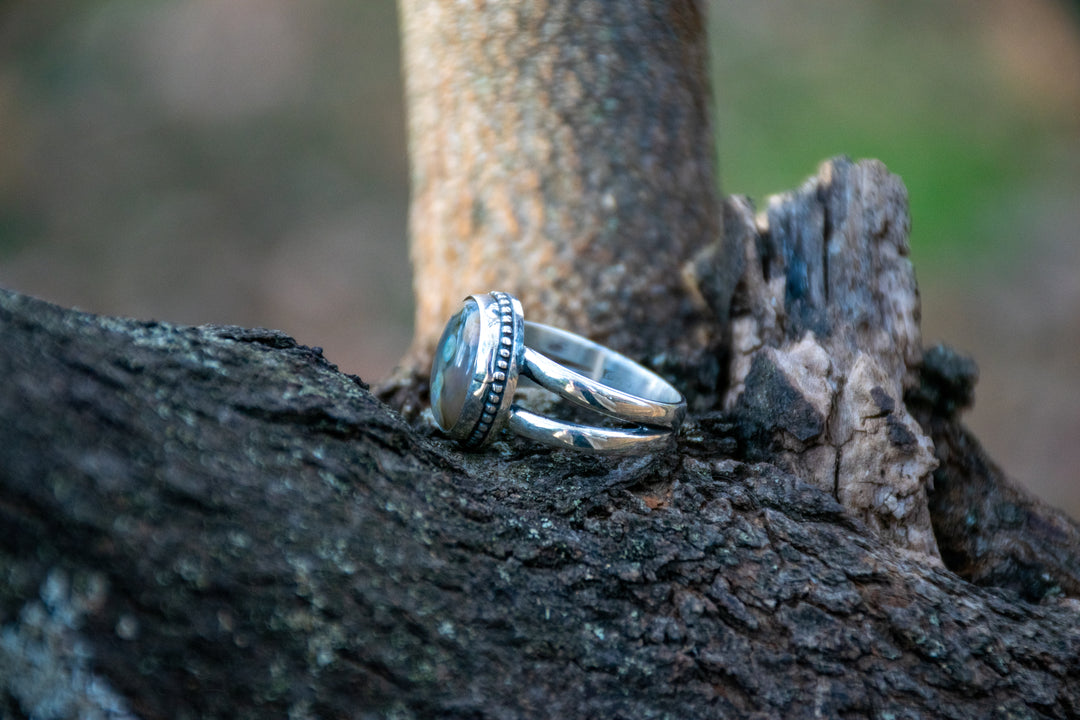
[(216, 522), (563, 151)]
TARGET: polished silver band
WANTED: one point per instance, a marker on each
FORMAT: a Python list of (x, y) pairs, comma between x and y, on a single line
[(487, 346)]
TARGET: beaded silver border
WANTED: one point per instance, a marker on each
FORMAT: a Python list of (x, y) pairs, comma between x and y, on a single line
[(507, 349)]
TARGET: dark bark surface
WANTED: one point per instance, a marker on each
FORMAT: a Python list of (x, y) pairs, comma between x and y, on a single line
[(215, 522), (989, 530), (823, 310)]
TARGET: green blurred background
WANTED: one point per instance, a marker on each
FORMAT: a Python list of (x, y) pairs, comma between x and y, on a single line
[(243, 161)]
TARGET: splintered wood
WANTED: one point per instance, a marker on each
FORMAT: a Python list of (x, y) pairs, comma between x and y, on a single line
[(824, 317)]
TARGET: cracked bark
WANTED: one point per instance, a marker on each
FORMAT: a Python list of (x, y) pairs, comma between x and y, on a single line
[(216, 522)]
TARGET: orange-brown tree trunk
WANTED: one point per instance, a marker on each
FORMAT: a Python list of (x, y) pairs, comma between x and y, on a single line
[(562, 150)]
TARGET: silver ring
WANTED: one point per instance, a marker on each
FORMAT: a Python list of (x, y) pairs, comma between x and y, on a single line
[(487, 346)]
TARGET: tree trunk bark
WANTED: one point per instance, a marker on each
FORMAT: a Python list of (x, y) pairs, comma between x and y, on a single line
[(216, 522), (562, 151)]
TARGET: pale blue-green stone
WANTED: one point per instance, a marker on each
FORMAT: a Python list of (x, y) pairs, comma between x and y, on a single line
[(454, 365)]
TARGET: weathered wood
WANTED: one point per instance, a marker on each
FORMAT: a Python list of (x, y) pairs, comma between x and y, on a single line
[(214, 522), (989, 529), (824, 319), (562, 150)]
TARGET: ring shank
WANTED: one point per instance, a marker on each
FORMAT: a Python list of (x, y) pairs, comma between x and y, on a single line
[(599, 379), (614, 441)]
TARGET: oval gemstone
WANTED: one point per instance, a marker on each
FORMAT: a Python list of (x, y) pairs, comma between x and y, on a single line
[(455, 364)]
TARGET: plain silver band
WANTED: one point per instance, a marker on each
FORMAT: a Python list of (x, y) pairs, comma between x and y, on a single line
[(585, 373), (614, 441), (599, 379)]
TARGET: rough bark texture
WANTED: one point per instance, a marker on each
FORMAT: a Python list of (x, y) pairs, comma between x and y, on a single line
[(561, 150), (989, 530), (214, 522), (824, 315)]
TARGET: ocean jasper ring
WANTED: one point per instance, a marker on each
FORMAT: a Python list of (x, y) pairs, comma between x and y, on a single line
[(487, 346)]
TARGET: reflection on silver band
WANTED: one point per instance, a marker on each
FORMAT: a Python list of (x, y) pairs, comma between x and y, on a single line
[(586, 437), (488, 345)]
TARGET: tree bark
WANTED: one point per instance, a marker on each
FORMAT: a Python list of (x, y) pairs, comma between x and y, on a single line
[(562, 150), (216, 522)]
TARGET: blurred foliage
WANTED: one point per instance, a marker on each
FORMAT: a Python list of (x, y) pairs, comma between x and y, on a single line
[(128, 101), (925, 86), (199, 124), (235, 161)]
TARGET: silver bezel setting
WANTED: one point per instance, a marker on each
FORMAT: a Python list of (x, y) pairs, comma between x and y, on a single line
[(499, 352)]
